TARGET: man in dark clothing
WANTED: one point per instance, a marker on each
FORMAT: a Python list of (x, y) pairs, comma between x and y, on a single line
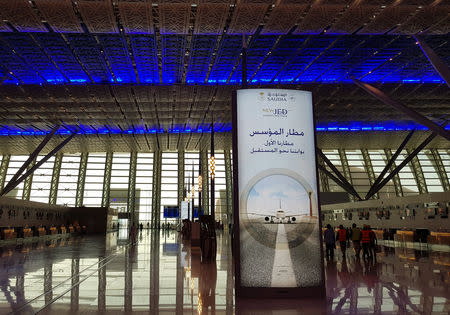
[(372, 243), (330, 241)]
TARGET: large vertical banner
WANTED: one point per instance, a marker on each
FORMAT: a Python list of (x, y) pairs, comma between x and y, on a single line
[(277, 195)]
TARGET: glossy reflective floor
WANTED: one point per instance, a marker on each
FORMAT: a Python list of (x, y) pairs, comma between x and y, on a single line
[(161, 275)]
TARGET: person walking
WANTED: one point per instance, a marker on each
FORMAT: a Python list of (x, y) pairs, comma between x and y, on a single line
[(365, 241), (356, 240), (372, 243), (330, 241), (341, 236)]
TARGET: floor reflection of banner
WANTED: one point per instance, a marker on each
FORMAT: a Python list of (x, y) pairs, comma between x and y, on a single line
[(278, 205), (184, 210)]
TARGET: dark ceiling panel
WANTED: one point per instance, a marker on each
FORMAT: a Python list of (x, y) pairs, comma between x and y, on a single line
[(246, 18), (211, 18), (136, 17), (318, 18), (21, 15), (283, 18), (98, 16), (60, 15)]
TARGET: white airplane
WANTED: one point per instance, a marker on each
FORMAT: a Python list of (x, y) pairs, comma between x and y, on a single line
[(279, 216)]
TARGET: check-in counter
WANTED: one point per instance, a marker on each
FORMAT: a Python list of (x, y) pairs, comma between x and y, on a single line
[(404, 236), (27, 232), (42, 231), (439, 238), (9, 233), (379, 234)]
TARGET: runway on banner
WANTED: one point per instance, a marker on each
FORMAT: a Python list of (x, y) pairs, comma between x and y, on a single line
[(270, 260)]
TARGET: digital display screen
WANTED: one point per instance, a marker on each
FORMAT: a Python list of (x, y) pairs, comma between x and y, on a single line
[(278, 204)]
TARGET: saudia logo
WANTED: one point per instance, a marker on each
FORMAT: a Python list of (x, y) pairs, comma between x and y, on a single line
[(277, 97)]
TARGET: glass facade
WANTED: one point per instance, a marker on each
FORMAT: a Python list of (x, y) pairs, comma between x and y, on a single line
[(144, 180), (406, 174), (220, 186), (68, 179), (169, 181), (379, 161), (360, 178), (42, 177), (95, 173), (333, 156), (120, 172), (430, 172), (15, 163)]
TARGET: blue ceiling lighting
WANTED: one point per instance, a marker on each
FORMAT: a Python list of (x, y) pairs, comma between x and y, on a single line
[(307, 54), (257, 50), (228, 53), (115, 50), (17, 68), (84, 58), (145, 56), (91, 57), (200, 55), (279, 56), (106, 130), (173, 52), (58, 50), (28, 49)]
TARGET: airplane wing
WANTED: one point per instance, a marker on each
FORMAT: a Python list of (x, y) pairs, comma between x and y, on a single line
[(261, 214), (267, 217)]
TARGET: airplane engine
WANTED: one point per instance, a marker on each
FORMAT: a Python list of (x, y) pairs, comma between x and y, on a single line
[(267, 218), (293, 219)]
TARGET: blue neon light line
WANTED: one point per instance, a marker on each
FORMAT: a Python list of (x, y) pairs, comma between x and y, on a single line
[(332, 127), (80, 59)]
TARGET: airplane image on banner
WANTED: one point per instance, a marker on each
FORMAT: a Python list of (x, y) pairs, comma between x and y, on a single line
[(279, 216)]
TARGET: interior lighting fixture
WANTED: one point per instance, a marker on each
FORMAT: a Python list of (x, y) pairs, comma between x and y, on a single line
[(200, 182), (212, 166)]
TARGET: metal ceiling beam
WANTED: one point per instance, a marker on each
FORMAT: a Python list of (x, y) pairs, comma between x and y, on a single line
[(388, 165), (434, 59), (337, 181), (37, 165), (408, 111), (342, 179), (406, 161), (32, 157), (244, 63)]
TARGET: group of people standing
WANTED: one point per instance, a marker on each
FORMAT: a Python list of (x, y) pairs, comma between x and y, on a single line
[(365, 239)]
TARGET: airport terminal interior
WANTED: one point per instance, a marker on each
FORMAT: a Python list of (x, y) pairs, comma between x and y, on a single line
[(119, 149)]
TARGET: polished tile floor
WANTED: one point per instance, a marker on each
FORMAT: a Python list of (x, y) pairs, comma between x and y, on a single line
[(160, 275)]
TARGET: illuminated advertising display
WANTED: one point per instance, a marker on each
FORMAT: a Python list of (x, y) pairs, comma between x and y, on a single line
[(276, 205)]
